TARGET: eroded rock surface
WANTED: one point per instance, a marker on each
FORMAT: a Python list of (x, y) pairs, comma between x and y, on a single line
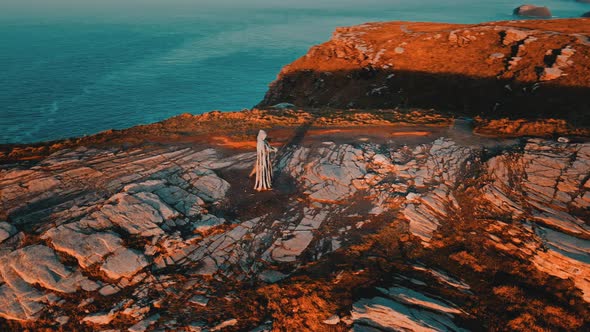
[(174, 237)]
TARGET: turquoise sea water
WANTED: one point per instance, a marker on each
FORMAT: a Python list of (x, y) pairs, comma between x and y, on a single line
[(72, 70)]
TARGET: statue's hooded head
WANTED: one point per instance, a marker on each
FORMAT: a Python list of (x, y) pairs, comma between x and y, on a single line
[(261, 135)]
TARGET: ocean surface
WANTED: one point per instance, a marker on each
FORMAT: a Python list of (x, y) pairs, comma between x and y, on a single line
[(69, 69)]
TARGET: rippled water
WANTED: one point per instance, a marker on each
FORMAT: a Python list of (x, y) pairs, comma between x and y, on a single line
[(70, 73)]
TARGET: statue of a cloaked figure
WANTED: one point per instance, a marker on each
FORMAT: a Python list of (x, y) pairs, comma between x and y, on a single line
[(263, 167)]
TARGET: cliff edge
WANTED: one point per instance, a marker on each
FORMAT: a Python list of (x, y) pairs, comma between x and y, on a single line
[(527, 69)]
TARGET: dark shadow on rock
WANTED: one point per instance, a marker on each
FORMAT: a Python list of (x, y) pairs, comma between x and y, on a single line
[(285, 154), (34, 215), (489, 97)]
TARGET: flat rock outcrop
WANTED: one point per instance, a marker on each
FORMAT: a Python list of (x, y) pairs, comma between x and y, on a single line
[(520, 69), (405, 232)]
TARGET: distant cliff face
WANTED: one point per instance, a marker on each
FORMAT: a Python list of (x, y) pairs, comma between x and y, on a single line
[(516, 68)]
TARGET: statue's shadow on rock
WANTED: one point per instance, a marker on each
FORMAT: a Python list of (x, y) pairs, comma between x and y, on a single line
[(283, 182)]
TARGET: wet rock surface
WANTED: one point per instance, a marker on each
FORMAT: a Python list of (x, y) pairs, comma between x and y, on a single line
[(420, 234)]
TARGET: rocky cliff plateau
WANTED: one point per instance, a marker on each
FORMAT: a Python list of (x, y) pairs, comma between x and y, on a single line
[(393, 219), (516, 69)]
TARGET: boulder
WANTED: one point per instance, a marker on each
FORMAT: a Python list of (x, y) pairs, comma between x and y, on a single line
[(513, 36), (271, 276), (87, 249), (144, 324), (29, 276), (6, 230), (124, 263), (293, 247), (100, 318), (183, 201), (532, 11), (134, 215), (210, 187), (333, 320), (551, 74), (199, 300), (207, 222)]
